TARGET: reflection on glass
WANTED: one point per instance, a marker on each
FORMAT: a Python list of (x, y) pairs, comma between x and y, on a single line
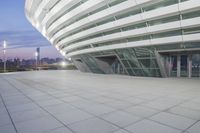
[(196, 65), (174, 66), (184, 68)]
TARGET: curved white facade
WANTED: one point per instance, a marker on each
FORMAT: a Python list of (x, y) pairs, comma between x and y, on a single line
[(82, 27)]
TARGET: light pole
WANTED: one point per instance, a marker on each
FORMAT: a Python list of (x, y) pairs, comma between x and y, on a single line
[(36, 60), (4, 53)]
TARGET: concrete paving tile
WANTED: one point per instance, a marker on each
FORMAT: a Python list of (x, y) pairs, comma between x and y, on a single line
[(73, 116), (141, 111), (1, 104), (23, 107), (189, 113), (99, 109), (101, 99), (191, 105), (49, 102), (38, 125), (17, 101), (147, 126), (71, 99), (43, 97), (14, 97), (93, 125), (118, 104), (2, 110), (134, 100), (171, 100), (59, 108), (172, 120), (61, 95), (88, 95), (83, 104), (28, 115), (7, 129), (117, 96), (121, 131), (148, 96), (195, 128), (120, 118), (159, 105), (59, 130), (4, 119), (11, 92), (197, 100)]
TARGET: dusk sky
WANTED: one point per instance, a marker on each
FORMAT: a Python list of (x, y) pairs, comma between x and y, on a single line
[(21, 37)]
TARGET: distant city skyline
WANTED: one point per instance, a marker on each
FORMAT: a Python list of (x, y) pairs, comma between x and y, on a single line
[(21, 37)]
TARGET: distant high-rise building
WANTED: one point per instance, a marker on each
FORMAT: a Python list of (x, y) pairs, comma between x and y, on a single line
[(38, 55)]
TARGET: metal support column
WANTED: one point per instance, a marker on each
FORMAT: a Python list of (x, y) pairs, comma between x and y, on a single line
[(170, 66), (178, 65), (189, 60), (4, 63)]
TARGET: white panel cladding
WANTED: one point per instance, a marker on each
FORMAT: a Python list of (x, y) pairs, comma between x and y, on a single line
[(30, 8), (190, 22), (97, 17), (44, 8), (147, 16), (126, 34), (77, 12), (74, 37), (28, 4), (192, 37), (151, 15), (59, 9), (160, 12), (160, 41), (189, 5), (78, 24)]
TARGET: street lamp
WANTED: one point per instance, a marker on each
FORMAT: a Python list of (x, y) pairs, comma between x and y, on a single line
[(69, 58), (63, 64), (4, 53), (36, 62)]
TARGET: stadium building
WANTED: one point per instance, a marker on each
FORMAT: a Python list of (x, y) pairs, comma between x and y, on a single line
[(152, 38)]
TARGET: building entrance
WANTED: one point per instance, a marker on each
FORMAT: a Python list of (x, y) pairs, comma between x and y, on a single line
[(196, 65), (182, 65)]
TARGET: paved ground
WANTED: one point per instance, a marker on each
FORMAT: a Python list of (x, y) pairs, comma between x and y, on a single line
[(74, 102)]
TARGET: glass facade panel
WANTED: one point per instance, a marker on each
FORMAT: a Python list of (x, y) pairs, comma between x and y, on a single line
[(196, 65), (184, 66), (141, 61), (160, 4), (174, 66), (138, 72), (130, 72), (90, 62)]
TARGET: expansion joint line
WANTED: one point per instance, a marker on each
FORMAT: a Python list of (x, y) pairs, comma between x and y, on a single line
[(8, 114), (185, 131)]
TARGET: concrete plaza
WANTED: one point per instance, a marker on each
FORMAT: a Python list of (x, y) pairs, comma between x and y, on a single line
[(75, 102)]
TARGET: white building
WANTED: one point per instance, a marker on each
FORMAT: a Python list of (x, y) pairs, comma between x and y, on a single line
[(159, 38)]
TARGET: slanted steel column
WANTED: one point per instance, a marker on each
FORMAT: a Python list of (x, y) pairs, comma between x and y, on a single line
[(178, 65), (161, 64)]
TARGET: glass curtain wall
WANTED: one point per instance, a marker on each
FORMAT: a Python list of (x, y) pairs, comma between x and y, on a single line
[(139, 62), (196, 65)]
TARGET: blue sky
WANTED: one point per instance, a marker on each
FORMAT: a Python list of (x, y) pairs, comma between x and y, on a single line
[(22, 38)]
